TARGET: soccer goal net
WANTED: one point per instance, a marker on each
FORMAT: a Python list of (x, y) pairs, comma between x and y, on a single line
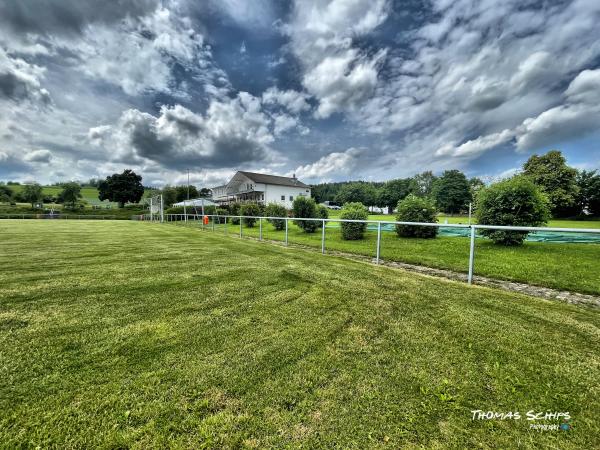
[(156, 208)]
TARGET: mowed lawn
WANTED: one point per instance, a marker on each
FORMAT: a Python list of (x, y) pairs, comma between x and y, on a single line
[(564, 266), (130, 334)]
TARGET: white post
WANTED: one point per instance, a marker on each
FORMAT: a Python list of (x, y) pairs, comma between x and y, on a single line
[(162, 210), (470, 206), (471, 256), (240, 226), (286, 231), (225, 224), (323, 238), (150, 209), (260, 228), (378, 241), (213, 222)]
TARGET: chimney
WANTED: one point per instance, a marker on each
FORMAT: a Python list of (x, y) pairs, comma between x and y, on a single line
[(294, 176)]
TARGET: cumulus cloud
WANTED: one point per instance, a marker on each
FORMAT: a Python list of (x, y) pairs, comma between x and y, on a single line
[(335, 163), (294, 101), (20, 80), (38, 156), (339, 75), (230, 133)]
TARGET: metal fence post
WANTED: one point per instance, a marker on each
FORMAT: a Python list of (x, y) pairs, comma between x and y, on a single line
[(240, 226), (286, 231), (471, 256), (225, 224), (323, 238), (260, 228), (213, 223), (378, 241)]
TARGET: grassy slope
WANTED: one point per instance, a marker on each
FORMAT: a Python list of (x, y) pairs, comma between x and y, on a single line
[(137, 334), (574, 267)]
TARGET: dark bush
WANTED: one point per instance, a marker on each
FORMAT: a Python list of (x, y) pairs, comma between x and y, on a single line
[(250, 209), (306, 208), (353, 211), (416, 209), (276, 210), (516, 201), (234, 210)]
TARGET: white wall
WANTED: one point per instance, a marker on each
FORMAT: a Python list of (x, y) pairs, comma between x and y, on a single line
[(274, 192)]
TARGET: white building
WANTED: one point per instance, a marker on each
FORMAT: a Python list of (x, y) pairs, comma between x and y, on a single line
[(247, 187)]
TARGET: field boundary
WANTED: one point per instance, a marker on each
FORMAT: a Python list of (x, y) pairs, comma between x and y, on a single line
[(547, 293)]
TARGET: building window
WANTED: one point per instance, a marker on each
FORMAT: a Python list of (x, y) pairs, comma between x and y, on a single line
[(283, 197), (291, 198)]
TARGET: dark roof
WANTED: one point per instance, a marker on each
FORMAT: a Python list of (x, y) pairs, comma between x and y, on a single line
[(274, 179)]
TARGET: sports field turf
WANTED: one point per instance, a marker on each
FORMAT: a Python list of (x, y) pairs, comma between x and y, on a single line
[(125, 334)]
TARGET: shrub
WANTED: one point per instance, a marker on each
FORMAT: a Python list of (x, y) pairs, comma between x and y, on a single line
[(276, 210), (353, 211), (250, 209), (322, 213), (306, 208), (234, 210), (516, 201), (416, 209)]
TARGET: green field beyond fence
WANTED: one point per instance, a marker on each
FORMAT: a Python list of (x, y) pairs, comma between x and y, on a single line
[(565, 266), (138, 335)]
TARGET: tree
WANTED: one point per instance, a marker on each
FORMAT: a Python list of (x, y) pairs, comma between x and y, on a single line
[(452, 192), (423, 184), (416, 209), (304, 207), (352, 231), (121, 188), (588, 182), (70, 193), (182, 192), (392, 192), (204, 193), (557, 180), (6, 193), (32, 193), (358, 192), (517, 202), (169, 194)]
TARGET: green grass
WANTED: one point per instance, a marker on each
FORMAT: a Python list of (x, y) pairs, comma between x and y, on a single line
[(124, 334), (565, 266), (558, 223)]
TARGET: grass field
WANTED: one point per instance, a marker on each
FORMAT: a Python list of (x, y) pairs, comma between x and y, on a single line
[(573, 267), (125, 334), (558, 223)]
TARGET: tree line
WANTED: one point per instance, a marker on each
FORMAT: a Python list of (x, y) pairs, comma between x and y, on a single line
[(570, 192)]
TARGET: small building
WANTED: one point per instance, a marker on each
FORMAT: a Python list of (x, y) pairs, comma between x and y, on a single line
[(250, 187)]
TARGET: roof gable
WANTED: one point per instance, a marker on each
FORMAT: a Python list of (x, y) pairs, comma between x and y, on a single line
[(273, 179)]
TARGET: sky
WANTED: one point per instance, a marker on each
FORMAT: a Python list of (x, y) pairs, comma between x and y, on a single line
[(326, 90)]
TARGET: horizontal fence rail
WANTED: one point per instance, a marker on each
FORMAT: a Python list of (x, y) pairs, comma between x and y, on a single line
[(472, 235)]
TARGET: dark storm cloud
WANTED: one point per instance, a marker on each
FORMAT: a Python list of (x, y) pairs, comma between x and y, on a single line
[(17, 88)]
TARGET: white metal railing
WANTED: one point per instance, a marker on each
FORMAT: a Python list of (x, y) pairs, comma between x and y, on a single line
[(473, 228), (60, 216)]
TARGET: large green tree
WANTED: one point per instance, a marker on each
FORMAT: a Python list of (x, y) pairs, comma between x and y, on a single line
[(121, 188), (6, 193), (556, 179), (363, 193), (182, 192), (423, 184), (452, 192), (392, 192), (70, 194), (32, 193), (588, 182)]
